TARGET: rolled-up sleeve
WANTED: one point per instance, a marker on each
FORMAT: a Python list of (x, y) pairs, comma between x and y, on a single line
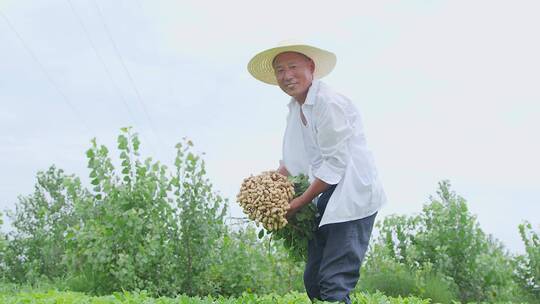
[(333, 132)]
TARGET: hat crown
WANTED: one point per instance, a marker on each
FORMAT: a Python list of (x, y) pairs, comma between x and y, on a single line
[(289, 42)]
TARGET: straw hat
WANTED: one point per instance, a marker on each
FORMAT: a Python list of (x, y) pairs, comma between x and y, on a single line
[(260, 66)]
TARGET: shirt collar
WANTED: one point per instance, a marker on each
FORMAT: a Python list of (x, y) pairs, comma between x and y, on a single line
[(311, 95)]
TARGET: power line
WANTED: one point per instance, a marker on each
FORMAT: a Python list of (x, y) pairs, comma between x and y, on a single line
[(100, 58), (47, 75), (132, 82)]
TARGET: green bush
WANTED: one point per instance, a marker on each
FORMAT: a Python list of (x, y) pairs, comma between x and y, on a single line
[(438, 288), (144, 230), (36, 246), (391, 279), (385, 274), (528, 265), (448, 239), (3, 245), (247, 264)]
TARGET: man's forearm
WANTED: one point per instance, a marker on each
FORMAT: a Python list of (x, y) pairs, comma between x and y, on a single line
[(317, 187)]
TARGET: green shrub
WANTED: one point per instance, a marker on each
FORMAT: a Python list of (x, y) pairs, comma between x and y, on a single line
[(438, 288), (247, 264), (138, 228), (392, 280), (528, 265), (144, 230), (3, 245), (384, 274), (447, 238), (35, 248)]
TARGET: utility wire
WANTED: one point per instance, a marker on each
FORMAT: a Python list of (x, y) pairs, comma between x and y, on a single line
[(100, 58), (47, 75), (132, 82), (91, 42)]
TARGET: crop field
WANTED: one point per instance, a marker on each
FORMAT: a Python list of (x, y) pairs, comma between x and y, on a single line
[(135, 298)]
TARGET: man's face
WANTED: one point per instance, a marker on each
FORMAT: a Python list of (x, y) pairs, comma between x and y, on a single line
[(294, 74)]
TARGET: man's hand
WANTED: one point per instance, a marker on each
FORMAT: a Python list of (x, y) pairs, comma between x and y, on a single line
[(294, 206), (316, 188), (282, 170)]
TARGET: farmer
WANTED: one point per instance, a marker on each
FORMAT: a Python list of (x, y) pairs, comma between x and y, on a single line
[(324, 139)]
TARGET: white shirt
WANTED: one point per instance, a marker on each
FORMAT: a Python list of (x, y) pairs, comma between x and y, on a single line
[(332, 147)]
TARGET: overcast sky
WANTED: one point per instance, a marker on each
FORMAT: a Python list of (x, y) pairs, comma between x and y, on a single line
[(447, 90)]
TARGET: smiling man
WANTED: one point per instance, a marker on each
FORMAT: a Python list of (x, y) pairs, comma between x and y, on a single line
[(324, 139)]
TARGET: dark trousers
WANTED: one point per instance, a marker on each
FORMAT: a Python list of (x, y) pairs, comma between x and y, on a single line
[(335, 255)]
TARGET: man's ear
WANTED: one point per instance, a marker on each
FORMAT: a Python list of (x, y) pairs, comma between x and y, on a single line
[(312, 65)]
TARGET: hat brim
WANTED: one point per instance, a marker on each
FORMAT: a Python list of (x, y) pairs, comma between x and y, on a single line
[(260, 66)]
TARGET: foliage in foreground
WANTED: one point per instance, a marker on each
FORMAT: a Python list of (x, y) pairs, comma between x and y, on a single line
[(301, 226), (134, 298)]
